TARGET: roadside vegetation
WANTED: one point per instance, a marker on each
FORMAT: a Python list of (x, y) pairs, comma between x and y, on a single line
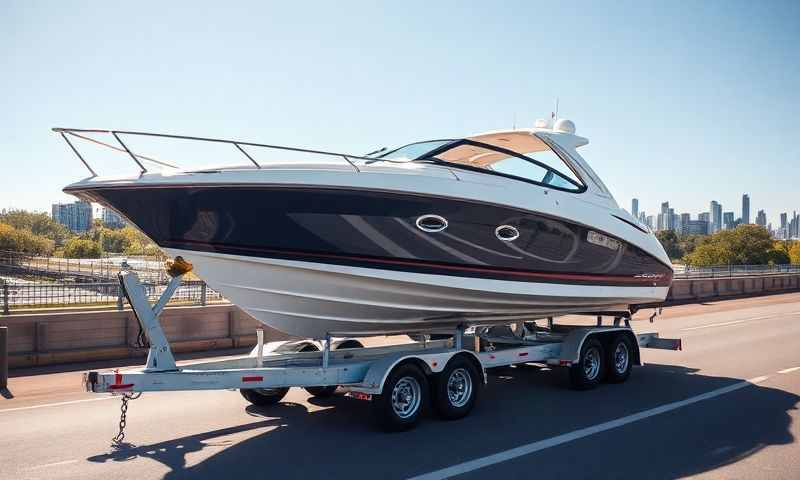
[(38, 234), (744, 245)]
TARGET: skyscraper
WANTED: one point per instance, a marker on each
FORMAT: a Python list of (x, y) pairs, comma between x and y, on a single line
[(761, 218), (664, 218), (745, 209), (635, 208), (715, 213), (728, 220)]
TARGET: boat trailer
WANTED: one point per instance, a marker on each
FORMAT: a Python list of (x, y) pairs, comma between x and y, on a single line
[(397, 379)]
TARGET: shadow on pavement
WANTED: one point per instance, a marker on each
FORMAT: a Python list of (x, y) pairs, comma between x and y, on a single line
[(522, 405)]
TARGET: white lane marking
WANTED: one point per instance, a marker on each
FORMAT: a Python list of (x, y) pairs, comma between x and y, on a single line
[(17, 409), (513, 453), (712, 325), (56, 464), (789, 370)]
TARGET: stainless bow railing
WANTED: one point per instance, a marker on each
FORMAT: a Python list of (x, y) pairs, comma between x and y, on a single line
[(80, 133)]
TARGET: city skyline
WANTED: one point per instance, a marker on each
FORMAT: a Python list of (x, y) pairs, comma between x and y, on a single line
[(719, 217)]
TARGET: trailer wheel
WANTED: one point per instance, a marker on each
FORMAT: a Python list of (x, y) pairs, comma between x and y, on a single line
[(619, 359), (590, 369), (264, 396), (455, 390), (404, 395)]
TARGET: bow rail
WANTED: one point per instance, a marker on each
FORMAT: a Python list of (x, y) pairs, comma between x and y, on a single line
[(139, 159)]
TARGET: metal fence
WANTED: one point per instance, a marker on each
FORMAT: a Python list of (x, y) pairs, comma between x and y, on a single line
[(23, 294), (724, 271), (88, 269)]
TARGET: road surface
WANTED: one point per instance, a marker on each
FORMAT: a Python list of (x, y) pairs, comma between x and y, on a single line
[(725, 407)]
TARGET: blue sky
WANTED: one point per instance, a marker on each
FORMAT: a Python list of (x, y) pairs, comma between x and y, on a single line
[(681, 101)]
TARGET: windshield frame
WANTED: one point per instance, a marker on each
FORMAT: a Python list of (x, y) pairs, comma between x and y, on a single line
[(580, 185)]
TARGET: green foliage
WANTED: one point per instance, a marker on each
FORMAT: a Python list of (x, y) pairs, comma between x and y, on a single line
[(689, 243), (23, 241), (744, 245), (669, 240), (794, 253), (37, 223), (82, 248)]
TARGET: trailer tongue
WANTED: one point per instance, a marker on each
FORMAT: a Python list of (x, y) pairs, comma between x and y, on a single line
[(398, 379)]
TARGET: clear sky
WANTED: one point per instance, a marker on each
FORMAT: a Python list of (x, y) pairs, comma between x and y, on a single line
[(681, 101)]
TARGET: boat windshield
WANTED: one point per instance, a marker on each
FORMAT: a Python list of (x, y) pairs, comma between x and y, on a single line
[(412, 151), (543, 167)]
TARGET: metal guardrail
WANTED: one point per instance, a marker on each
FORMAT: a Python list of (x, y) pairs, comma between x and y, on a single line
[(35, 267), (727, 271), (14, 295)]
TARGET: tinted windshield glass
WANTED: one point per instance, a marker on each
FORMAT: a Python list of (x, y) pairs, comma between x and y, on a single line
[(413, 151), (484, 157)]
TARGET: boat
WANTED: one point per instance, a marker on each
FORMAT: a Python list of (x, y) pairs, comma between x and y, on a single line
[(494, 228)]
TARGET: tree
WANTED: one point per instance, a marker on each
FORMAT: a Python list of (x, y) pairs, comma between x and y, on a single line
[(37, 223), (82, 248), (794, 253), (22, 241), (689, 243), (744, 245), (669, 240)]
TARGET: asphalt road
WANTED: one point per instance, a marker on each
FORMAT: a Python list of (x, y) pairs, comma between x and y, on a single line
[(724, 407)]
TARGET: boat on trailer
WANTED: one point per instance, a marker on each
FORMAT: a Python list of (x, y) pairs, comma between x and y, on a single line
[(487, 229), (397, 380)]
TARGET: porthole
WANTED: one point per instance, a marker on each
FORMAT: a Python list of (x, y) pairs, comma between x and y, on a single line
[(431, 223), (506, 233)]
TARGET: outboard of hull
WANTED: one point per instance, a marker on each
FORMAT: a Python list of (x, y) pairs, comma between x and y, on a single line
[(312, 299)]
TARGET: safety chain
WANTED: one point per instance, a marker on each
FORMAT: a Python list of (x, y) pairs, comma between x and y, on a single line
[(117, 440)]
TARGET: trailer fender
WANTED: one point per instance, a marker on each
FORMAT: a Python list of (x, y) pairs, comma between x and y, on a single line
[(430, 363), (571, 348)]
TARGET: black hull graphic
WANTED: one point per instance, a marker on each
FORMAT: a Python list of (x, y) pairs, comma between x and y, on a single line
[(378, 230)]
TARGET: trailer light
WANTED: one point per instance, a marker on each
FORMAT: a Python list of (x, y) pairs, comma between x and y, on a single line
[(433, 364), (523, 354), (565, 362), (360, 396), (121, 387), (255, 378)]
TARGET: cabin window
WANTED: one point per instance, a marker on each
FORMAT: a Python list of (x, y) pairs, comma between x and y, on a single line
[(543, 167)]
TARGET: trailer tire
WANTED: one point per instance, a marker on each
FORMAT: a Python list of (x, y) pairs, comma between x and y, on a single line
[(263, 397), (455, 390), (590, 369), (619, 359), (404, 396)]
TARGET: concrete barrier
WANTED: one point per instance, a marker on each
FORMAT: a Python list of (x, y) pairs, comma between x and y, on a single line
[(78, 336), (54, 337), (702, 289)]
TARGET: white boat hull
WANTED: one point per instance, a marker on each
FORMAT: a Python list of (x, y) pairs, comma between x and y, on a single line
[(313, 300)]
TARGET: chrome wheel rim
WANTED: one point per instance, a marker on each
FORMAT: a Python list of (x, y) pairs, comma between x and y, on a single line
[(621, 357), (591, 363), (459, 387), (406, 397)]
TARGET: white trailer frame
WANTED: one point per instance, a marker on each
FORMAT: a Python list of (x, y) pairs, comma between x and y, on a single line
[(361, 371)]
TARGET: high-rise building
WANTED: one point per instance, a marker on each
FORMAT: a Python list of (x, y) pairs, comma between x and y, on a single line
[(746, 209), (643, 217), (705, 217), (649, 222), (111, 219), (695, 227), (728, 221), (715, 211), (664, 218), (783, 220), (635, 208), (76, 216), (761, 218)]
